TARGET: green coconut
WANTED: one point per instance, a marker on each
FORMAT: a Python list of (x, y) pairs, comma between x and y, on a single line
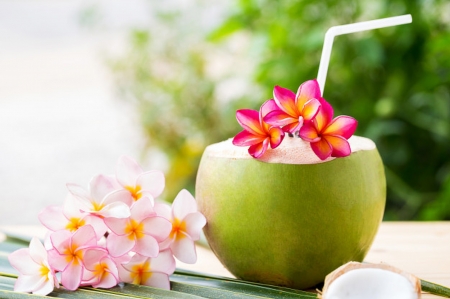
[(289, 218)]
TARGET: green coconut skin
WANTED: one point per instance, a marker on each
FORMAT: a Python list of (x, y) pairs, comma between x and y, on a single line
[(290, 225)]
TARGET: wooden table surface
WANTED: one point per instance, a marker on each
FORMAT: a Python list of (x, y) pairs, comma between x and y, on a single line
[(420, 248)]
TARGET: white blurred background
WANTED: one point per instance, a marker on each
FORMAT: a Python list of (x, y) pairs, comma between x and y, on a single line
[(60, 120)]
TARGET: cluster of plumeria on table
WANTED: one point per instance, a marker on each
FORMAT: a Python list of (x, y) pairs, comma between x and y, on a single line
[(114, 232), (305, 114)]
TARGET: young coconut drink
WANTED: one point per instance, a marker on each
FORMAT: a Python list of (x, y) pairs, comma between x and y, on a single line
[(291, 215), (370, 281)]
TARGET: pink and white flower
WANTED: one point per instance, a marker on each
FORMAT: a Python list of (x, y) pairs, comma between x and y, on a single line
[(137, 182), (148, 271), (257, 134), (70, 218), (141, 232), (104, 199), (295, 109), (327, 135), (36, 276), (102, 270), (187, 224), (68, 254)]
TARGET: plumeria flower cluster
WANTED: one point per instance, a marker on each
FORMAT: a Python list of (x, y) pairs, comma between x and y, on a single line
[(116, 231), (305, 114)]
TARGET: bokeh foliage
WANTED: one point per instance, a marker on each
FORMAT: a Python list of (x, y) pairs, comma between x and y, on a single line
[(188, 81)]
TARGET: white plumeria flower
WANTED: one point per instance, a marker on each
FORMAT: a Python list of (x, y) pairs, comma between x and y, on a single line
[(36, 275), (139, 183), (104, 198), (187, 224)]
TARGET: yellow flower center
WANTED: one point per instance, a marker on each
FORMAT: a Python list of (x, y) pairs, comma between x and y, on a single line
[(100, 269), (177, 226), (75, 223), (134, 190), (134, 230), (44, 270), (141, 273), (97, 206)]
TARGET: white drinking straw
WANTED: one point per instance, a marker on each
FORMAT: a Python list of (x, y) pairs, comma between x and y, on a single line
[(351, 28)]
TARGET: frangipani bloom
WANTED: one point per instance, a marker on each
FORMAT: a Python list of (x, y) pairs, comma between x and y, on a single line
[(68, 254), (103, 200), (141, 232), (137, 182), (102, 270), (294, 109), (148, 271), (187, 224), (70, 218), (257, 134), (36, 276), (328, 136)]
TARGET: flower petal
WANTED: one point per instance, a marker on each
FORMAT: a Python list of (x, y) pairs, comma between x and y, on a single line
[(342, 125), (293, 127), (37, 251), (163, 263), (309, 133), (117, 225), (310, 109), (60, 240), (183, 204), (194, 224), (71, 276), (307, 90), (249, 120), (46, 287), (285, 100), (100, 186), (57, 261), (324, 116), (183, 249), (28, 283), (142, 209), (85, 236), (152, 181), (77, 191), (157, 280), (22, 262), (119, 245), (322, 148), (108, 280), (158, 227), (259, 149), (276, 136), (127, 171), (92, 257), (119, 196), (246, 138), (116, 209), (267, 107), (279, 118), (52, 217), (341, 147), (146, 246)]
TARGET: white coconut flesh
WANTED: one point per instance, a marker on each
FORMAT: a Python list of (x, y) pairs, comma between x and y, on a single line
[(292, 150), (371, 284), (370, 281)]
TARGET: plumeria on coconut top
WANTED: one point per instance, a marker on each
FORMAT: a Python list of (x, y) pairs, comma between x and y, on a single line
[(113, 232), (305, 114)]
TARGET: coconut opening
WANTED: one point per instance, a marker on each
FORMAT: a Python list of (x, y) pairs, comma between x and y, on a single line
[(292, 150)]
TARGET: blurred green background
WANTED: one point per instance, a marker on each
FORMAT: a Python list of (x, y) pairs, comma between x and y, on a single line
[(188, 78)]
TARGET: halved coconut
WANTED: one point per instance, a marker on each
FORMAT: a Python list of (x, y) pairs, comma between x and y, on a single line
[(289, 218), (370, 281)]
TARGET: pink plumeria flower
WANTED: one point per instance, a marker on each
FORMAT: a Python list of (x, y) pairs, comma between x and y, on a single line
[(148, 271), (257, 133), (36, 276), (103, 199), (294, 109), (70, 218), (328, 136), (68, 254), (137, 182), (141, 232), (102, 270), (187, 224)]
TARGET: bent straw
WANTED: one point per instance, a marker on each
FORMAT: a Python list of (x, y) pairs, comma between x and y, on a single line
[(351, 28)]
